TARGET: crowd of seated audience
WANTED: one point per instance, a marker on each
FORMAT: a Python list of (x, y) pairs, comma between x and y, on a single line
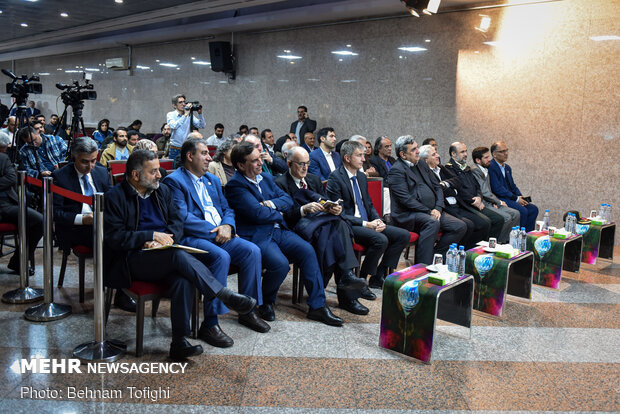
[(259, 204)]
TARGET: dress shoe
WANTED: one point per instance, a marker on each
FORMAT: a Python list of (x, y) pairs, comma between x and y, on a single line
[(349, 281), (376, 282), (353, 306), (124, 302), (242, 304), (13, 266), (181, 349), (252, 321), (324, 315), (367, 294), (215, 336), (266, 312)]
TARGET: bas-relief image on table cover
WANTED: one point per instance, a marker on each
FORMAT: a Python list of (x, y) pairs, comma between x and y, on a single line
[(591, 234), (409, 309), (491, 275), (549, 257)]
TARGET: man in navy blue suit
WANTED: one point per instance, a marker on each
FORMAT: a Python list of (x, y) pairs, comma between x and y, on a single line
[(271, 164), (324, 160), (504, 187), (209, 224), (73, 221), (259, 205)]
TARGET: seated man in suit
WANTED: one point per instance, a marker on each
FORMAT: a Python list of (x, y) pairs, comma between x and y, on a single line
[(332, 243), (118, 150), (481, 156), (73, 221), (469, 196), (9, 210), (504, 187), (271, 164), (209, 224), (418, 201), (383, 160), (351, 185), (308, 143), (259, 205), (140, 214), (303, 124), (324, 160)]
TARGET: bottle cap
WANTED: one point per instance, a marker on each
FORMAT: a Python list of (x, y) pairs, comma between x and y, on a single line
[(546, 210), (461, 247)]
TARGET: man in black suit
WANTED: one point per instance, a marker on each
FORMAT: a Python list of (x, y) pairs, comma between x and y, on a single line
[(73, 221), (302, 125), (351, 185), (383, 160), (332, 242), (9, 212), (417, 202)]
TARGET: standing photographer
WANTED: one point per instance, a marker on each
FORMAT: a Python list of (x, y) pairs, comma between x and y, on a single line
[(179, 122)]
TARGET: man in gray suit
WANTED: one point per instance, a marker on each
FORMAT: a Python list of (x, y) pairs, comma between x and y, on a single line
[(482, 158)]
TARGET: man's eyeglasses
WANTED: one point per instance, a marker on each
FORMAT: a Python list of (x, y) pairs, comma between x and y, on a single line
[(301, 164), (502, 151)]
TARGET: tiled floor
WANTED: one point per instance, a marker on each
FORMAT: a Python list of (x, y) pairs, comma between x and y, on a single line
[(558, 353)]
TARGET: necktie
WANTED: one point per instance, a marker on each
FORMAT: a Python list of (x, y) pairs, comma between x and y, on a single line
[(88, 190), (303, 184), (358, 199)]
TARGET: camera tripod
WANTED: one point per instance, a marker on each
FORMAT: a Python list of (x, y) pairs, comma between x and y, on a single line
[(77, 123)]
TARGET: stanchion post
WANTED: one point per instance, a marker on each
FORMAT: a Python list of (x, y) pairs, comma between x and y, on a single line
[(24, 294), (47, 311), (100, 349)]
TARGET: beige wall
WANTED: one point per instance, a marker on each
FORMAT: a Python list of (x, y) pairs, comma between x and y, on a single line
[(547, 89)]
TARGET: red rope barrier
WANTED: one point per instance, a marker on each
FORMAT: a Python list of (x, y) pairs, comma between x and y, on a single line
[(80, 198)]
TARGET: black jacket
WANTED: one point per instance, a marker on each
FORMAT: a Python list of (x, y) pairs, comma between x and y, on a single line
[(466, 187), (339, 186), (121, 233), (308, 126), (287, 184), (380, 166), (404, 190), (8, 178)]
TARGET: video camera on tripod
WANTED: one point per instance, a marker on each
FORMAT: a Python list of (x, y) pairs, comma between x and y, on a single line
[(75, 93), (22, 86)]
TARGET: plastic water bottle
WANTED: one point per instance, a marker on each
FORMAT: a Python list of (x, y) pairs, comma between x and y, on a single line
[(513, 237), (601, 211), (450, 258), (461, 260), (567, 223), (546, 219), (523, 239), (573, 224), (609, 215)]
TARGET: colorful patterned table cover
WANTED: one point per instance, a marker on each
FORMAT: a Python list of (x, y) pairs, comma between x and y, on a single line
[(411, 306), (598, 241), (494, 276), (551, 255)]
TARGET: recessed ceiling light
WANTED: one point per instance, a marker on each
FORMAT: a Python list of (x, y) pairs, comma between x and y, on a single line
[(157, 60), (193, 58), (201, 62), (63, 14), (0, 11), (428, 40), (43, 73), (412, 48), (92, 69), (143, 67), (491, 43), (169, 65), (344, 53), (289, 57), (118, 1), (348, 45), (31, 1), (24, 25)]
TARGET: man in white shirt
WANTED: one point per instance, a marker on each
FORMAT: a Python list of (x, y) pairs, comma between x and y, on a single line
[(303, 124), (324, 160), (218, 136), (179, 121)]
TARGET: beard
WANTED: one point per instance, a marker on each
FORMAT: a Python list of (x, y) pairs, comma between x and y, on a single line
[(149, 185)]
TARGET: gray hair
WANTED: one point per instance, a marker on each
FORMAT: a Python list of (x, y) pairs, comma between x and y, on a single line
[(349, 147), (402, 142), (358, 138), (425, 151), (291, 152), (194, 135), (145, 144), (175, 98), (288, 149), (84, 145), (250, 136), (5, 140), (223, 148)]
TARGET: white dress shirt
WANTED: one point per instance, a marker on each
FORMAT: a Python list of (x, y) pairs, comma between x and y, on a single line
[(86, 208), (330, 160)]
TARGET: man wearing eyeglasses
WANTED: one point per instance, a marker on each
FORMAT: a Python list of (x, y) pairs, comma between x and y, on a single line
[(328, 233), (179, 122), (504, 187)]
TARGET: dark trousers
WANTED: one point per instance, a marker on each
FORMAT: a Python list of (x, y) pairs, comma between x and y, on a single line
[(75, 235), (427, 227), (183, 273), (497, 221), (478, 225), (390, 243), (34, 229), (528, 213), (284, 245)]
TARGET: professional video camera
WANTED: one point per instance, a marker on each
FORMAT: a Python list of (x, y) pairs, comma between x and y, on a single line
[(75, 93), (22, 86), (195, 106)]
